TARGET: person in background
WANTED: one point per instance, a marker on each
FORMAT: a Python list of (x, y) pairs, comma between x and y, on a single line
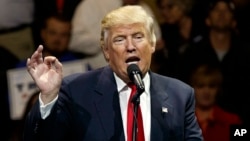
[(63, 7), (55, 35), (92, 106), (223, 47), (214, 121), (177, 31)]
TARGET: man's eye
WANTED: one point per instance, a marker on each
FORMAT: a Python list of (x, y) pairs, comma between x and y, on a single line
[(138, 37), (118, 40)]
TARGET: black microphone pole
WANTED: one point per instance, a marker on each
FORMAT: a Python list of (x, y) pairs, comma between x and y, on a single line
[(136, 101), (135, 76)]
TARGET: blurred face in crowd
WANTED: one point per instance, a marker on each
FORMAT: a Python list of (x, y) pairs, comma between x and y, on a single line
[(56, 35), (128, 44), (172, 12), (206, 82), (206, 92), (221, 17)]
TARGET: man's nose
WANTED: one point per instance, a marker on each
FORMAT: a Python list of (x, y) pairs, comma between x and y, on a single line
[(130, 45)]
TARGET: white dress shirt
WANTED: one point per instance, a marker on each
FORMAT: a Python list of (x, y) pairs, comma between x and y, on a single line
[(124, 94)]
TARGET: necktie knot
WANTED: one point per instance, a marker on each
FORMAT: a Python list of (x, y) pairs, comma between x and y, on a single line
[(133, 88)]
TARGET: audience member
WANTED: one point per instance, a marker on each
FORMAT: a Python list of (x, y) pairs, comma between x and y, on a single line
[(45, 8), (15, 28), (214, 121), (86, 29), (177, 31), (55, 35), (223, 47)]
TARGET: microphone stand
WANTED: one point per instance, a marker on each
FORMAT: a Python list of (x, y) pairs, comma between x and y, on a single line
[(136, 101)]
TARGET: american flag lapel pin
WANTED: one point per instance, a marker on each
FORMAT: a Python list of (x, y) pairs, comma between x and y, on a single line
[(164, 110)]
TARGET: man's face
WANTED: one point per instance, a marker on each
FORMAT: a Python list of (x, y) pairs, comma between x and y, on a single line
[(221, 17), (171, 12), (205, 93), (56, 35), (127, 44)]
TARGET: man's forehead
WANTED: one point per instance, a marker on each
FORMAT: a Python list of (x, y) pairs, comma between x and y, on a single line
[(128, 28)]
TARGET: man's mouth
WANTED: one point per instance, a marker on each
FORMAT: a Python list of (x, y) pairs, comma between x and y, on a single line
[(132, 60)]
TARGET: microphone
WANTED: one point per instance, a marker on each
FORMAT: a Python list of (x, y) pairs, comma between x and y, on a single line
[(135, 76)]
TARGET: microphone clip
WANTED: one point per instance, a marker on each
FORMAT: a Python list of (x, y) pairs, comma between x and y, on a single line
[(136, 98)]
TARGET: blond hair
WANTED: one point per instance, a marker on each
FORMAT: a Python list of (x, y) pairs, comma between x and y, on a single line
[(208, 73)]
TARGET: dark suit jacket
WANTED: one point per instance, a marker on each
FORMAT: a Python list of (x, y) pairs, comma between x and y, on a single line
[(88, 110)]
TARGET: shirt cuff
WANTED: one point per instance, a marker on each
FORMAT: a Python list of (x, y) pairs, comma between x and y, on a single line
[(45, 109)]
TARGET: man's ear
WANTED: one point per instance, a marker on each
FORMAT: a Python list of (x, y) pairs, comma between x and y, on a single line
[(105, 52), (153, 48)]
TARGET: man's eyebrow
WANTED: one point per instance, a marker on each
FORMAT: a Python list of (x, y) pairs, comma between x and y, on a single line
[(139, 32), (119, 36)]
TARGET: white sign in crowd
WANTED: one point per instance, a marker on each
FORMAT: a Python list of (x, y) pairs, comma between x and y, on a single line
[(21, 86)]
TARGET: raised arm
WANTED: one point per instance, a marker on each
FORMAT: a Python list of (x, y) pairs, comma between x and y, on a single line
[(47, 74)]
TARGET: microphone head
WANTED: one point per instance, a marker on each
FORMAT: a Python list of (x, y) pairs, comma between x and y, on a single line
[(133, 69)]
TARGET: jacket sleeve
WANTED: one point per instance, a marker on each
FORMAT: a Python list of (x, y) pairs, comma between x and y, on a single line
[(192, 129), (63, 124)]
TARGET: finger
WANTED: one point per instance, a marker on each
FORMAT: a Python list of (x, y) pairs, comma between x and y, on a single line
[(28, 65), (49, 61), (58, 66), (30, 68), (40, 54), (37, 56)]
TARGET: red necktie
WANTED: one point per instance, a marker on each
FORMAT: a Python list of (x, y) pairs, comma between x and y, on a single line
[(60, 4), (130, 119)]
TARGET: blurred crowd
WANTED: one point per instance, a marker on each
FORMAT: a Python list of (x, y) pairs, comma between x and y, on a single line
[(204, 43)]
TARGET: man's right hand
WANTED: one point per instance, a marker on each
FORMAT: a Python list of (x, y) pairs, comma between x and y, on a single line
[(47, 74)]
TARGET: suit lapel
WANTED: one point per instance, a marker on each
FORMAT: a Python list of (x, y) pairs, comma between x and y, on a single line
[(161, 110), (108, 106)]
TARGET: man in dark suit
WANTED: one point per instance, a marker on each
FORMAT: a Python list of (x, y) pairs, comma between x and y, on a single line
[(93, 106)]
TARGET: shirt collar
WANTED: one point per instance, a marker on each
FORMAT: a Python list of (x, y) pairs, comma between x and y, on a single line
[(121, 84)]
